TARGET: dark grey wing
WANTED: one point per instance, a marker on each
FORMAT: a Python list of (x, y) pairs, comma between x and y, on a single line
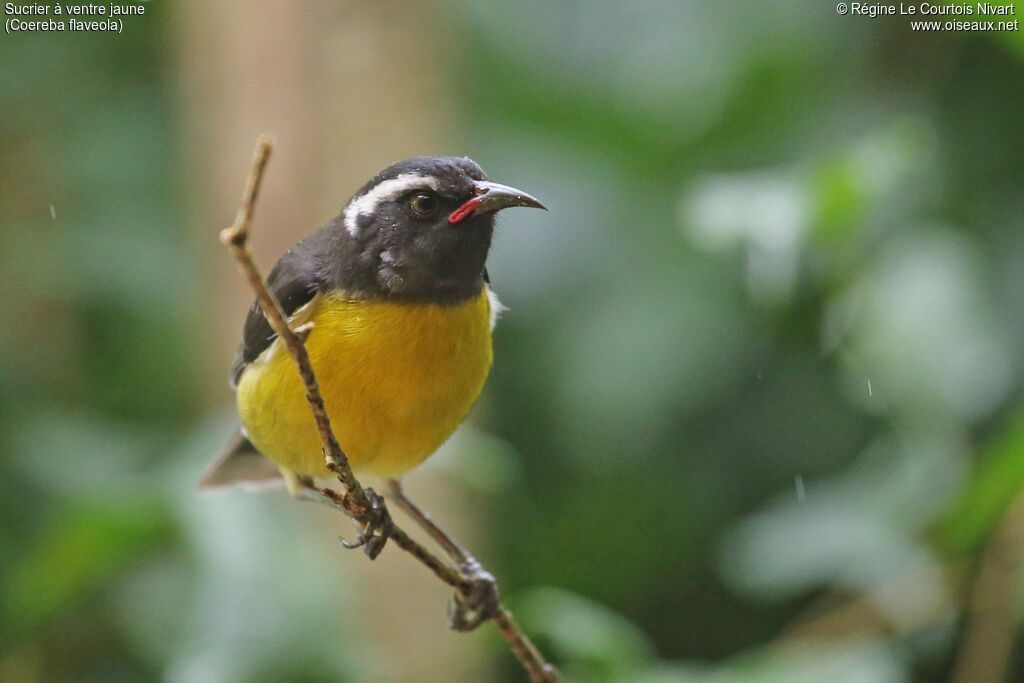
[(295, 280)]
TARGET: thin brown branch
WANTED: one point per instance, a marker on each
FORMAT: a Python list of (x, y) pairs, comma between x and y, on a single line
[(236, 238), (443, 571), (336, 501), (455, 551), (481, 602), (359, 503), (524, 649)]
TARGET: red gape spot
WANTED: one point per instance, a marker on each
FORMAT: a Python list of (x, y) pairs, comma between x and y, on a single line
[(464, 210)]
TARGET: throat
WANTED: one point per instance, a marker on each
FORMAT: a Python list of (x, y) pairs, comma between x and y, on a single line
[(413, 285), (447, 293)]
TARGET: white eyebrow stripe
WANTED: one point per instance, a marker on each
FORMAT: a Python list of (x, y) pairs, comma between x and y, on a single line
[(384, 192)]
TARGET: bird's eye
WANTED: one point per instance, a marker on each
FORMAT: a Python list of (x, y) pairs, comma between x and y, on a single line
[(423, 204)]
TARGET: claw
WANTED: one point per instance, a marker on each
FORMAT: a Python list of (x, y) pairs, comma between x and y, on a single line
[(352, 545), (376, 529), (472, 608)]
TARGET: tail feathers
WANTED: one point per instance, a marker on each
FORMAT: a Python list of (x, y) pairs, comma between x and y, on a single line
[(240, 463)]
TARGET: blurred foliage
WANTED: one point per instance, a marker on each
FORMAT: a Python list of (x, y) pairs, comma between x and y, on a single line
[(992, 488), (784, 246)]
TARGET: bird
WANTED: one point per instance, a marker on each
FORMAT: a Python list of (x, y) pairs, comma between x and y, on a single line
[(397, 290)]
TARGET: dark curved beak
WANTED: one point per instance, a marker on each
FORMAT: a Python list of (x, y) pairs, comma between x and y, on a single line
[(495, 197)]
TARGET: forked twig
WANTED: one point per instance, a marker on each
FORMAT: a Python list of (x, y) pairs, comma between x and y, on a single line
[(355, 501)]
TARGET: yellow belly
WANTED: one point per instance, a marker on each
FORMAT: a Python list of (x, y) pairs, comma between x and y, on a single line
[(397, 379)]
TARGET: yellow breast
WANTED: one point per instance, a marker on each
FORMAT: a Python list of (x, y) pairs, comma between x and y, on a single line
[(397, 379)]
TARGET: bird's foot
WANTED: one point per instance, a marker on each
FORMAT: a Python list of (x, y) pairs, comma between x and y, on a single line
[(377, 527), (473, 607)]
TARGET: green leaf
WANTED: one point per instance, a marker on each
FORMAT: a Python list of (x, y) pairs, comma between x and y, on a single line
[(991, 489)]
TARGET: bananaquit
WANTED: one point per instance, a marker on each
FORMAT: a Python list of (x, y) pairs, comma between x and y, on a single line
[(402, 310)]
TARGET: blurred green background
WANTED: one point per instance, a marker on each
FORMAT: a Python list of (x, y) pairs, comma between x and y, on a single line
[(756, 412)]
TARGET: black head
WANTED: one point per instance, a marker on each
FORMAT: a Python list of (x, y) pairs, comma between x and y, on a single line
[(421, 229)]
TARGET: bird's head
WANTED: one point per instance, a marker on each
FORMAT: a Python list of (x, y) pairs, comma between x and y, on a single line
[(422, 228)]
